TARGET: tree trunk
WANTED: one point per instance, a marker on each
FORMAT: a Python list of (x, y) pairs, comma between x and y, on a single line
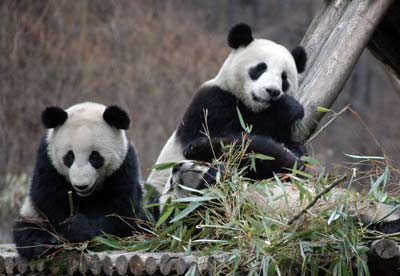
[(335, 40)]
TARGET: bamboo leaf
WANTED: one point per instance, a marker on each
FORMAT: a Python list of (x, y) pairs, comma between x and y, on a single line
[(323, 109), (194, 199), (242, 123), (186, 188), (163, 166), (261, 156), (108, 242), (165, 215), (186, 211), (364, 156)]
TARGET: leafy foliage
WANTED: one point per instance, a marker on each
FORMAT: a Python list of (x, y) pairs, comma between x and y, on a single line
[(302, 223)]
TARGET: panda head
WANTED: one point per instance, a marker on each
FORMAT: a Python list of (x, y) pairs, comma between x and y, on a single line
[(86, 143), (259, 71)]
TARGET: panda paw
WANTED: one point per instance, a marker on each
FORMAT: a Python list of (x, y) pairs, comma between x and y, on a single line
[(79, 228), (197, 148), (202, 149), (39, 248)]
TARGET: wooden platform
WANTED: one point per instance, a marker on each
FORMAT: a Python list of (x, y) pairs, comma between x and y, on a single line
[(383, 259), (106, 263)]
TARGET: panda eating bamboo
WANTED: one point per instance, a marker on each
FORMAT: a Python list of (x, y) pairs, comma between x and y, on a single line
[(256, 84)]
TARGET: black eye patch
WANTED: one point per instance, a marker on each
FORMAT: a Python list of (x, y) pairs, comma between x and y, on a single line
[(285, 83), (69, 158), (256, 71), (96, 160)]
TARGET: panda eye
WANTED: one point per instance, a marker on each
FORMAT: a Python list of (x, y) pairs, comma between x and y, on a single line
[(69, 158), (96, 160), (285, 82), (256, 71)]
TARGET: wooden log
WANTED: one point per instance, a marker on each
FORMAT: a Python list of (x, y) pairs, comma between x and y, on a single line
[(167, 263), (337, 55), (108, 264), (96, 263), (137, 264), (121, 264), (184, 263), (2, 266), (116, 263), (145, 263), (9, 262), (84, 264), (321, 27), (152, 265), (72, 266), (22, 265)]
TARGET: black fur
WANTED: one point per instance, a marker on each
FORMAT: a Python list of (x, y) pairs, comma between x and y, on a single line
[(240, 35), (256, 71), (300, 57), (285, 82), (387, 227), (54, 116), (119, 194), (116, 117), (271, 128)]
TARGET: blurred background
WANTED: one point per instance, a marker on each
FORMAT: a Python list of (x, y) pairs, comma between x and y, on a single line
[(149, 57)]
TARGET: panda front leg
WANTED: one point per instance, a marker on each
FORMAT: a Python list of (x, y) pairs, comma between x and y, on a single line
[(79, 228), (205, 149), (284, 158), (33, 239), (83, 227), (120, 218)]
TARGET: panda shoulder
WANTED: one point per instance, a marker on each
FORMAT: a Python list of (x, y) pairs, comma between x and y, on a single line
[(212, 98)]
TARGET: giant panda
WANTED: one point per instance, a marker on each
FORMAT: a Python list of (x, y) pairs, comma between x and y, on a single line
[(257, 80), (86, 151)]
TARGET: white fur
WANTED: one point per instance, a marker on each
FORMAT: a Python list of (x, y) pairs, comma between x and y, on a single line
[(28, 210), (171, 152), (85, 131), (234, 73), (189, 174)]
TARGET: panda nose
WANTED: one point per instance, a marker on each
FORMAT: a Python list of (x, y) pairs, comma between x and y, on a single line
[(273, 92)]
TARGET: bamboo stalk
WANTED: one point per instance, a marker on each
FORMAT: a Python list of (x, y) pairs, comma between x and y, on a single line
[(71, 204)]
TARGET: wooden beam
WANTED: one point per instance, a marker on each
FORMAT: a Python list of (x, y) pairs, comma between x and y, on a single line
[(334, 45)]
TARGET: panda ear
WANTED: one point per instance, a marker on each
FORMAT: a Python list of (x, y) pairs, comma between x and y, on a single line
[(116, 117), (300, 58), (54, 116), (240, 35)]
